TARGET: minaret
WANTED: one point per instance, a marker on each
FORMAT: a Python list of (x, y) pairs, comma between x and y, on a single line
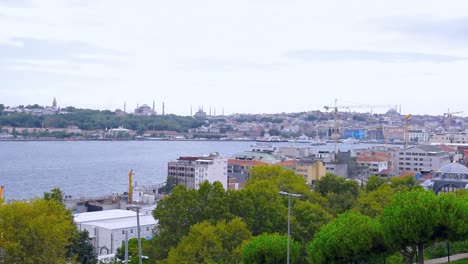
[(163, 109), (191, 110), (214, 113), (154, 112), (125, 107), (210, 110), (54, 103)]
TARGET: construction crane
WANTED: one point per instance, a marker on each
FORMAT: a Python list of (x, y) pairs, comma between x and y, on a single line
[(130, 187), (336, 107), (407, 120), (448, 116), (2, 188)]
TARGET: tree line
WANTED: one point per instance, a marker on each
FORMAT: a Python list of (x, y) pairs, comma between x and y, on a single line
[(87, 119), (338, 222)]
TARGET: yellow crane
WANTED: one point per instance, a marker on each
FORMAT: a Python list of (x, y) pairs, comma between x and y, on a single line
[(130, 187), (407, 120), (448, 116), (336, 107), (2, 188)]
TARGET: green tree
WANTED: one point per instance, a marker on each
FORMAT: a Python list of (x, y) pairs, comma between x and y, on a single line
[(402, 184), (54, 194), (270, 248), (372, 203), (133, 257), (374, 182), (340, 193), (35, 232), (81, 248), (409, 222), (350, 238), (207, 243)]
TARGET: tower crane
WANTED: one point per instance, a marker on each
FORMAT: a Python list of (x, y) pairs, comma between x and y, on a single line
[(448, 116), (2, 188), (336, 107)]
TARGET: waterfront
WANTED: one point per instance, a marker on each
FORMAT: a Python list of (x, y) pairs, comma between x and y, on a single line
[(95, 168)]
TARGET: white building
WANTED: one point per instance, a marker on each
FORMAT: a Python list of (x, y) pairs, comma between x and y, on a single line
[(418, 136), (450, 138), (211, 170), (107, 228), (421, 158)]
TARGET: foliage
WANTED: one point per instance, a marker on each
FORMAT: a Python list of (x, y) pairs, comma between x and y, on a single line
[(402, 184), (373, 183), (349, 238), (35, 232), (87, 119), (81, 248), (373, 202), (410, 220), (54, 194), (270, 248), (340, 193), (133, 251), (184, 208), (207, 243)]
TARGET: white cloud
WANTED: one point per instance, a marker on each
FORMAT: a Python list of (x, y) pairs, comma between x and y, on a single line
[(233, 54)]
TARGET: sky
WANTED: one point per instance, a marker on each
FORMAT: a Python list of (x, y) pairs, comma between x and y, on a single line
[(242, 56)]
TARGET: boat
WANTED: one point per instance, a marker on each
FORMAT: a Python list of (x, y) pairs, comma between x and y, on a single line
[(350, 141), (271, 139), (317, 142)]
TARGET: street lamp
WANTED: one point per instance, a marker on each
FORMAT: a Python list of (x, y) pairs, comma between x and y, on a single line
[(289, 216)]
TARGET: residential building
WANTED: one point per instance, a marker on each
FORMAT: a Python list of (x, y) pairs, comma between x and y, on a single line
[(311, 169), (238, 172), (192, 171), (421, 158), (418, 135), (375, 161)]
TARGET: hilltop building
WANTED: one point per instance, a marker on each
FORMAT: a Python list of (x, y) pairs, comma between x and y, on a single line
[(144, 110), (311, 169)]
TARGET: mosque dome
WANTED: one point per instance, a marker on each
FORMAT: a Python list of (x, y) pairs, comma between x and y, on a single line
[(392, 112), (453, 168)]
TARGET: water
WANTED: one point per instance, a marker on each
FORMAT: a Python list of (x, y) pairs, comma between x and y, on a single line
[(96, 168)]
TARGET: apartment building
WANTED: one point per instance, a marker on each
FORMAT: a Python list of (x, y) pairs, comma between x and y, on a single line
[(421, 158), (191, 171), (312, 170)]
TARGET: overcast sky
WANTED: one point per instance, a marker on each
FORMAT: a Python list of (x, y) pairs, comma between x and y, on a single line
[(246, 56)]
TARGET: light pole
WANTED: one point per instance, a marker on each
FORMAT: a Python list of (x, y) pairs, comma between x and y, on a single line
[(289, 217), (138, 229)]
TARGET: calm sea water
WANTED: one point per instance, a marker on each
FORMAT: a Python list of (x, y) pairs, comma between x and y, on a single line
[(95, 168)]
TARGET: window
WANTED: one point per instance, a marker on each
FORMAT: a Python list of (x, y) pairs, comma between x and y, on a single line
[(123, 232), (147, 228), (131, 230)]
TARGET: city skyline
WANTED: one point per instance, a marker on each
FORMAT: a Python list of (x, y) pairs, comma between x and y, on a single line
[(243, 57)]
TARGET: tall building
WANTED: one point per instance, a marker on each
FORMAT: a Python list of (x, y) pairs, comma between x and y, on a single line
[(421, 158), (193, 171)]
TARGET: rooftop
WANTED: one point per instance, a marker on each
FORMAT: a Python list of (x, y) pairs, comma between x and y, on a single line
[(453, 168), (124, 222), (103, 215)]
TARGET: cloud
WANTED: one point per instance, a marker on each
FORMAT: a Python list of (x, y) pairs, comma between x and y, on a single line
[(454, 30), (366, 55), (217, 64), (27, 54)]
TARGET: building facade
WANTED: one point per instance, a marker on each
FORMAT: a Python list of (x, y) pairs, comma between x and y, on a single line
[(421, 158)]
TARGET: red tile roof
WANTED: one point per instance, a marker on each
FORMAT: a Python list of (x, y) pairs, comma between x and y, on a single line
[(246, 162)]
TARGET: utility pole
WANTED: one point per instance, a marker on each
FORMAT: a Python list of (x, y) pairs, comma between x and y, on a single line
[(289, 218), (126, 247)]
